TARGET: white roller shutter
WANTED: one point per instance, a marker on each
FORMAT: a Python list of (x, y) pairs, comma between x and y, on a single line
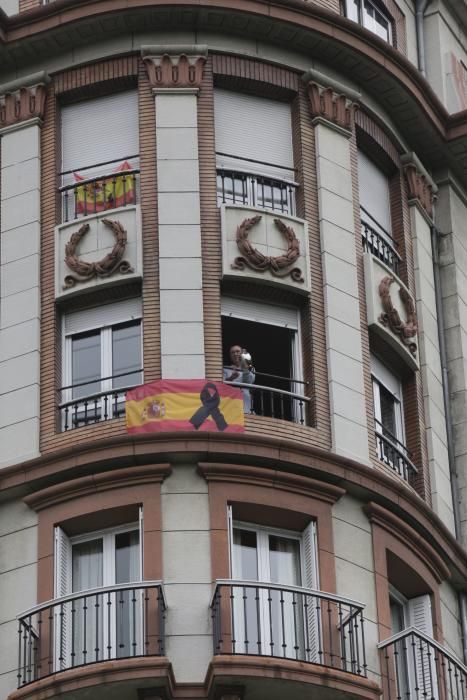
[(421, 661), (99, 130), (62, 586), (259, 312), (373, 186), (313, 641), (255, 128), (102, 316)]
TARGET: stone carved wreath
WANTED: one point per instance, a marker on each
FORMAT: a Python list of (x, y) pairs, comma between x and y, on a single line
[(109, 264), (279, 266), (405, 330)]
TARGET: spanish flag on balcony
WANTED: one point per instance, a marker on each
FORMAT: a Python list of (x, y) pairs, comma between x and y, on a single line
[(189, 404), (109, 193)]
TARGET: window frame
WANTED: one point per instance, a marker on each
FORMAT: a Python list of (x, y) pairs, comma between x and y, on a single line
[(359, 17), (382, 376)]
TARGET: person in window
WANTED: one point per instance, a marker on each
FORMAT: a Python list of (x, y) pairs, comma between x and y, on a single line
[(240, 371)]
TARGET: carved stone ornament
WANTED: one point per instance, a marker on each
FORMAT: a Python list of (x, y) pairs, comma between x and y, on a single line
[(419, 188), (112, 262), (405, 330), (279, 266), (22, 104), (330, 105), (175, 71)]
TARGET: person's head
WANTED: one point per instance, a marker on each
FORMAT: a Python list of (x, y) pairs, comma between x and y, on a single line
[(235, 354)]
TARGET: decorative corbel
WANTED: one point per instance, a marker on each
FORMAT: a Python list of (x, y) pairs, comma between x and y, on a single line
[(421, 187), (23, 99), (177, 66), (330, 100)]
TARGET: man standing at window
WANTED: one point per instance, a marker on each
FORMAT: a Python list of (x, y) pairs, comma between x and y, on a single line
[(240, 371)]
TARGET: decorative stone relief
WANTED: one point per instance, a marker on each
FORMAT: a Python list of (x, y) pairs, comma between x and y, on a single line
[(273, 248), (23, 99), (420, 189), (174, 66), (326, 103), (105, 267), (391, 309)]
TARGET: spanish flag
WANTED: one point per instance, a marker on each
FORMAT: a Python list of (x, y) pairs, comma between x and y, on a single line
[(109, 193), (189, 404)]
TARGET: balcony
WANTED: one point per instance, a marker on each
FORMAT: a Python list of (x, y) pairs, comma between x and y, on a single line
[(394, 453), (250, 189), (114, 185), (414, 666), (104, 624), (289, 622), (273, 402), (377, 241)]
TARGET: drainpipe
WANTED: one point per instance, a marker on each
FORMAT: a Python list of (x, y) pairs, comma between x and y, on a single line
[(420, 7), (447, 412)]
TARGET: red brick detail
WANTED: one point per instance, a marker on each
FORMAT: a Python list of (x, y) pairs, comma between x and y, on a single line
[(248, 69), (22, 104), (83, 78), (419, 188), (328, 104), (378, 134), (175, 71)]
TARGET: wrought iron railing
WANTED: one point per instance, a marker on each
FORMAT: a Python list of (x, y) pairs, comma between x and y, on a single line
[(95, 407), (241, 186), (271, 402), (113, 622), (291, 622), (109, 189), (393, 452), (416, 667), (379, 242)]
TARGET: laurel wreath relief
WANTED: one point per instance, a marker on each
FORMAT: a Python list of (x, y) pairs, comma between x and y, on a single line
[(279, 265), (109, 264), (404, 329)]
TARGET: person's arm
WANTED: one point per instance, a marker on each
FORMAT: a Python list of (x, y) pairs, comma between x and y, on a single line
[(229, 374), (248, 375)]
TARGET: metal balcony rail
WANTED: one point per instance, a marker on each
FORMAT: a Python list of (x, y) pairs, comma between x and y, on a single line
[(416, 667), (240, 186), (95, 407), (394, 453), (378, 242), (290, 622), (108, 190), (276, 403), (101, 624)]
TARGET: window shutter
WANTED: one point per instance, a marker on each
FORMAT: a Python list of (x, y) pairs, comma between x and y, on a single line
[(373, 186), (421, 661), (103, 316), (62, 613), (260, 312), (253, 128), (99, 130), (313, 642)]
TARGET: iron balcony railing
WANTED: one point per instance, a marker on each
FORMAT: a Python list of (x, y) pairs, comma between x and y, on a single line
[(291, 622), (112, 622), (377, 241), (237, 185), (416, 667), (109, 189), (276, 403), (95, 407), (394, 453)]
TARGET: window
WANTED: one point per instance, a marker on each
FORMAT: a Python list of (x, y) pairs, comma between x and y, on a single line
[(102, 358), (268, 619), (99, 141), (254, 152), (96, 625), (272, 336), (370, 16)]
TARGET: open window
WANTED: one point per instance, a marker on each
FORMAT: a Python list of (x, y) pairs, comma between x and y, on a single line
[(371, 16), (102, 358), (271, 334), (100, 154), (254, 152)]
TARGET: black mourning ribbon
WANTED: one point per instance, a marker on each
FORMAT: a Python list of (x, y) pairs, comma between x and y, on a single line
[(210, 407)]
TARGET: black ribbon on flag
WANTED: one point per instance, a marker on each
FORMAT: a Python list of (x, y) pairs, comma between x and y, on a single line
[(210, 400)]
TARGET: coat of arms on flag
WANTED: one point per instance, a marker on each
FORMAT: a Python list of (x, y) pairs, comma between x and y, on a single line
[(107, 193), (190, 404)]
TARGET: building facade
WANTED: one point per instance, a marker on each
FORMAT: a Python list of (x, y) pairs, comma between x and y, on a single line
[(177, 178)]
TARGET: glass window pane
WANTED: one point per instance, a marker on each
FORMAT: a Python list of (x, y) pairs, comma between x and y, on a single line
[(127, 556), (388, 411), (126, 354), (86, 363), (129, 603), (245, 560), (87, 565), (86, 613), (284, 561)]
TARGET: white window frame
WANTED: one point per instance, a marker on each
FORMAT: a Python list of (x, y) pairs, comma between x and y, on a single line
[(382, 376), (359, 15), (100, 323)]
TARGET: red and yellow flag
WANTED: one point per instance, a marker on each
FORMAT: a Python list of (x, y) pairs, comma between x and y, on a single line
[(189, 404), (109, 193)]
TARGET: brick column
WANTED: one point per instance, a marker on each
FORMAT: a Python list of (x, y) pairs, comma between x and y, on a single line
[(175, 74), (21, 109)]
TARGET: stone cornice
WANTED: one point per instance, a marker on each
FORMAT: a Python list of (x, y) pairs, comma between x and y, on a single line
[(328, 101), (175, 66), (421, 187), (23, 99)]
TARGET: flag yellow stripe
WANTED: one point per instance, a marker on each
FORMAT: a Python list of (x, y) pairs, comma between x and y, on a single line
[(179, 406)]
